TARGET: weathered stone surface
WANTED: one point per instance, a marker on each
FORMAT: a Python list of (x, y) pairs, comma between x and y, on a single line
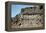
[(31, 21), (26, 20)]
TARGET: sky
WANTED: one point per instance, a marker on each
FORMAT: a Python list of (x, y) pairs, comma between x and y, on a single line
[(16, 9)]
